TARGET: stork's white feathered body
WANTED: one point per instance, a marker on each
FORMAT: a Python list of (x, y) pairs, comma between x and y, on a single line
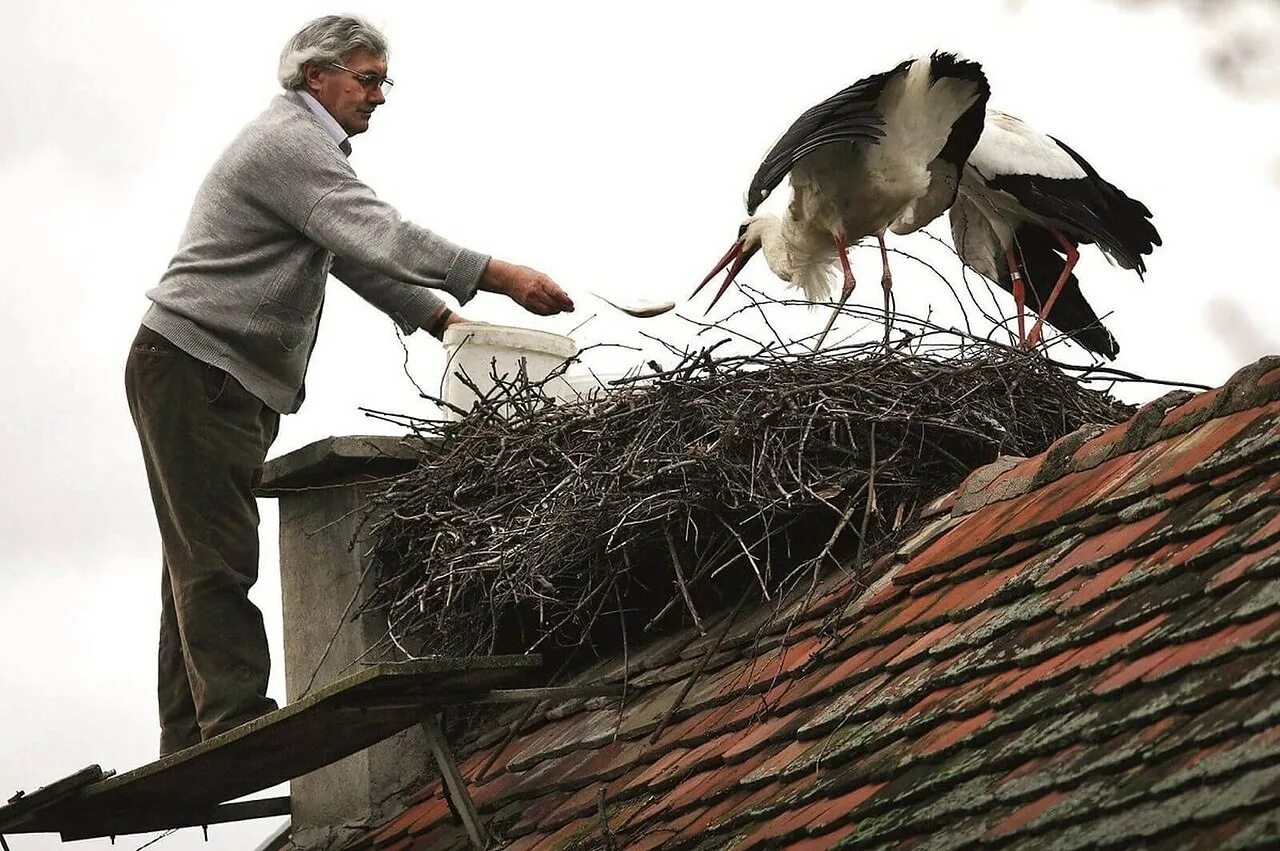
[(883, 154), (1026, 202)]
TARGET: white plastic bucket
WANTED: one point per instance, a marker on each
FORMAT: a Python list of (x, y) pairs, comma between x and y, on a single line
[(479, 350)]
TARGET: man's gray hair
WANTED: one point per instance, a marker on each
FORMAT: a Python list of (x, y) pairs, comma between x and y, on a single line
[(326, 40)]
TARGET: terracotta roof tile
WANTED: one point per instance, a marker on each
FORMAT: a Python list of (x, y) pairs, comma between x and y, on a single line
[(1076, 650)]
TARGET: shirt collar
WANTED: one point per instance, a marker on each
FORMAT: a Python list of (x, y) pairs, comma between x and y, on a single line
[(327, 121)]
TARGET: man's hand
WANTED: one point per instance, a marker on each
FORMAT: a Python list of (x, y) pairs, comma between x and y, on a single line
[(529, 288)]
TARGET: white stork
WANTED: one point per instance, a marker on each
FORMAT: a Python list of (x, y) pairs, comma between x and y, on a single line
[(884, 153), (1026, 202)]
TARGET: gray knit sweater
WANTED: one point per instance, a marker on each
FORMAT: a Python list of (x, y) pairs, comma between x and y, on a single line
[(280, 210)]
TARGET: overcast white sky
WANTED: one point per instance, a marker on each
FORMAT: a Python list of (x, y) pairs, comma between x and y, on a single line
[(609, 148)]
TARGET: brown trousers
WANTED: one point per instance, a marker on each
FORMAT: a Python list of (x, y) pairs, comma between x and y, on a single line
[(204, 439)]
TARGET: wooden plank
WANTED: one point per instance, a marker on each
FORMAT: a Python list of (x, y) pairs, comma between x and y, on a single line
[(123, 822), (455, 784), (503, 695), (22, 806), (328, 725), (523, 695)]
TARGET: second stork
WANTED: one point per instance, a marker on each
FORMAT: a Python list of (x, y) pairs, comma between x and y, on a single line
[(1026, 203)]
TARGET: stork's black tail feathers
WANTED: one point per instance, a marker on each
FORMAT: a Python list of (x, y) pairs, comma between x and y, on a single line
[(1127, 228)]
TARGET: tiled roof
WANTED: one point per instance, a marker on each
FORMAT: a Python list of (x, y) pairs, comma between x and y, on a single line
[(1078, 650)]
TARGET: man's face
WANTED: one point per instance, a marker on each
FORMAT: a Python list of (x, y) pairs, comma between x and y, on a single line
[(348, 100)]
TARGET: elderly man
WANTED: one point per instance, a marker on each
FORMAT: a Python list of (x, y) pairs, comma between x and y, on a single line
[(224, 347)]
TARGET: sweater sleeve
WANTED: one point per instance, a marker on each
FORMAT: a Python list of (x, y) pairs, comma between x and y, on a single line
[(412, 307), (352, 222), (305, 180)]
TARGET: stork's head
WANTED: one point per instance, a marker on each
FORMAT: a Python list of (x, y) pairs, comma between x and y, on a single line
[(751, 236)]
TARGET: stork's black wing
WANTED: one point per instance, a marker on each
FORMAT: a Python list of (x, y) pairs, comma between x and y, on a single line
[(1097, 210), (848, 116)]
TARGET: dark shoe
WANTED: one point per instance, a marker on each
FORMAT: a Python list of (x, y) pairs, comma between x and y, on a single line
[(173, 744)]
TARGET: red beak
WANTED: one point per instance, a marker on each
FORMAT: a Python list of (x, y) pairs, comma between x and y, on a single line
[(738, 258)]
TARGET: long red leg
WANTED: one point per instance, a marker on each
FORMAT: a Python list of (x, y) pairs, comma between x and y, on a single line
[(849, 283), (886, 282), (1019, 291), (1072, 256)]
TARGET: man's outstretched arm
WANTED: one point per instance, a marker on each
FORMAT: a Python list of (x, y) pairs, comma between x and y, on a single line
[(415, 306)]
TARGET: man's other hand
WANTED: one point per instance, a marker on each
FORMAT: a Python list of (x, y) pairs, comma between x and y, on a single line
[(529, 288)]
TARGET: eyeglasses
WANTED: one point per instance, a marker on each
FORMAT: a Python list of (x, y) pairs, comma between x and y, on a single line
[(369, 81)]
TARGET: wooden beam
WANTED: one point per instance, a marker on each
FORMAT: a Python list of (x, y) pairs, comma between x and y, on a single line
[(521, 695), (125, 822), (455, 785), (289, 742), (21, 806), (502, 695)]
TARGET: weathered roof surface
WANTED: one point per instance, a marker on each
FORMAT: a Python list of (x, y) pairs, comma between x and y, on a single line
[(1079, 650)]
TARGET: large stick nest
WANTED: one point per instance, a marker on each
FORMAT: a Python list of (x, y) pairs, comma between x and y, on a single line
[(530, 524)]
